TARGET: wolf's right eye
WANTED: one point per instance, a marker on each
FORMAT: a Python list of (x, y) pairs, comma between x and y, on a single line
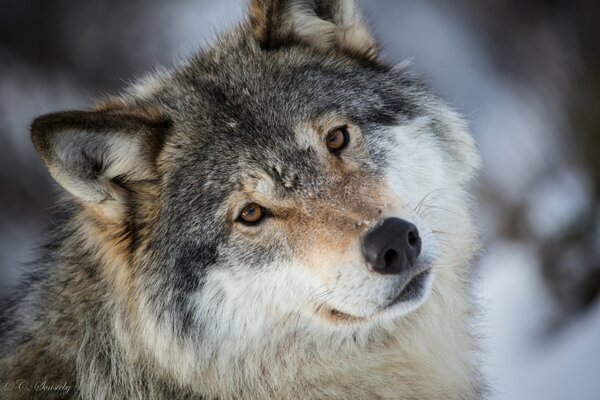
[(337, 140), (252, 214)]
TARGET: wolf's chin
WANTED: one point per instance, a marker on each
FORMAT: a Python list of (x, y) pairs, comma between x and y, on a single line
[(414, 293)]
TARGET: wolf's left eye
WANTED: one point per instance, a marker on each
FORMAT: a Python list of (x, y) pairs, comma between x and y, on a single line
[(252, 214), (337, 139)]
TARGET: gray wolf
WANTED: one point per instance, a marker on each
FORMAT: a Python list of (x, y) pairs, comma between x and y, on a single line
[(283, 216)]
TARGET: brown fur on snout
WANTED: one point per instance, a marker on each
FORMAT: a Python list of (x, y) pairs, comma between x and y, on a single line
[(330, 228)]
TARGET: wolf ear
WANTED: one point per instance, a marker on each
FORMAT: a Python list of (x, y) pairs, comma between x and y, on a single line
[(90, 153), (325, 24)]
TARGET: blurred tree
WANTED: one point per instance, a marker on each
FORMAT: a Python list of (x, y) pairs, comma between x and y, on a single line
[(553, 47)]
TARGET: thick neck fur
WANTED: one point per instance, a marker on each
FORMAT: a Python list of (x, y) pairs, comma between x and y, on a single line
[(426, 355)]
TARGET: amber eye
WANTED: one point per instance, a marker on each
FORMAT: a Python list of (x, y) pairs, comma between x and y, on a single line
[(337, 139), (252, 214)]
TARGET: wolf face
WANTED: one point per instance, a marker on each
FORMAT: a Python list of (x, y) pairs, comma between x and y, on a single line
[(282, 192)]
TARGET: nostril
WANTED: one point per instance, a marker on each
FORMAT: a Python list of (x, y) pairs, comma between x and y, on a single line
[(413, 238), (390, 257), (414, 243)]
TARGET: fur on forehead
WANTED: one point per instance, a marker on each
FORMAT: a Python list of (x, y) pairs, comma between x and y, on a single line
[(323, 24)]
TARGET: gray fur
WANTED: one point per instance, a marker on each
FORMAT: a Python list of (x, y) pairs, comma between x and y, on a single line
[(140, 293)]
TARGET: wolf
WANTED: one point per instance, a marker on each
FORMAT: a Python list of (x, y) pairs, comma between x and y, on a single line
[(282, 216)]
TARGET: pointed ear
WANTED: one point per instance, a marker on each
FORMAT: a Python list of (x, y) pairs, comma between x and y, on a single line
[(325, 24), (90, 153)]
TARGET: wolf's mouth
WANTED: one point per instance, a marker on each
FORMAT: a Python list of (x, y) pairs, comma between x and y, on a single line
[(413, 289), (412, 292)]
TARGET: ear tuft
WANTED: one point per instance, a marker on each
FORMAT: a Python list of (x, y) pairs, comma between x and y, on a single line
[(324, 24), (88, 151)]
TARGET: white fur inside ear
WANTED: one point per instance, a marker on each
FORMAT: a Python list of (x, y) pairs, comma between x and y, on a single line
[(126, 157), (88, 190), (307, 24), (85, 162), (345, 30)]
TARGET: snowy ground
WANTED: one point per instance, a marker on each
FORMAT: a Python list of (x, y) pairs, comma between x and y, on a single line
[(521, 362)]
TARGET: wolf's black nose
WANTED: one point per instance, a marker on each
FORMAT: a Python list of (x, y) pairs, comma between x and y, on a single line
[(392, 247)]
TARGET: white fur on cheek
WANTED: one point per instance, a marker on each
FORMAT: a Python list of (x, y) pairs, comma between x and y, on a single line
[(417, 166), (423, 174)]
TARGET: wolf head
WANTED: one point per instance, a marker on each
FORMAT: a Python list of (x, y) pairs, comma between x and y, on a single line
[(282, 186)]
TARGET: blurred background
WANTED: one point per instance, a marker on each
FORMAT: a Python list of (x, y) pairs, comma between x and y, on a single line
[(525, 72)]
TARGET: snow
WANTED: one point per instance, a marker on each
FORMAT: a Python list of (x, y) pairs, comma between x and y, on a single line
[(520, 360)]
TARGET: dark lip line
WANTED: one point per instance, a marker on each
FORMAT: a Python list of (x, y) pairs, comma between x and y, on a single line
[(342, 316), (413, 280)]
